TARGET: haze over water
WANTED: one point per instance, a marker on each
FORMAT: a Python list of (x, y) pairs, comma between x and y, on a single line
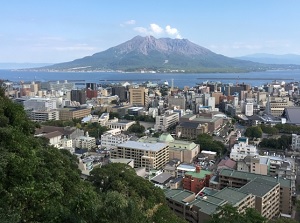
[(180, 79)]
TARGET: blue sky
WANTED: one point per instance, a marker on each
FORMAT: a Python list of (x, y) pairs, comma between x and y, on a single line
[(63, 30)]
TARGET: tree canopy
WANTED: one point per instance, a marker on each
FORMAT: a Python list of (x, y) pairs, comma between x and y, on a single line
[(253, 132), (207, 143), (229, 214), (40, 183)]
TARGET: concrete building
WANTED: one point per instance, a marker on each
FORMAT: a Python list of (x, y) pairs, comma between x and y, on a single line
[(237, 179), (178, 101), (163, 122), (84, 142), (148, 155), (115, 123), (57, 85), (120, 91), (43, 116), (254, 164), (70, 113), (191, 130), (249, 109), (112, 138), (200, 208), (267, 196), (138, 96), (183, 151), (213, 122), (40, 104), (242, 149), (295, 142), (79, 96)]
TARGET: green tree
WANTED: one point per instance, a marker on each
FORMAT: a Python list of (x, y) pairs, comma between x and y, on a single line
[(253, 132), (230, 214), (207, 143), (137, 128)]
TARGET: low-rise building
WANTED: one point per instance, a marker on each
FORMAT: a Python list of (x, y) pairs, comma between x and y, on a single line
[(191, 130), (112, 138), (84, 142), (119, 124), (163, 122), (195, 181), (148, 155), (43, 116), (242, 149), (295, 142)]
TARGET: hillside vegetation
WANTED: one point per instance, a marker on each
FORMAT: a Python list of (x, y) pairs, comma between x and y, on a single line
[(40, 183)]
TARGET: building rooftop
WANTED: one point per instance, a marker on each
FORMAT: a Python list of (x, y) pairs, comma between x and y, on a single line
[(186, 167), (162, 178), (232, 195), (292, 114), (251, 176), (179, 195), (207, 206), (199, 175), (143, 146), (259, 187)]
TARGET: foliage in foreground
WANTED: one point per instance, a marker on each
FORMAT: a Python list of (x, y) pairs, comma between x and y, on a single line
[(40, 183), (229, 214)]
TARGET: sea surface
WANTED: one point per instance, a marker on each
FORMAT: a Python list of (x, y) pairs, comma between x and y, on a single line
[(179, 79)]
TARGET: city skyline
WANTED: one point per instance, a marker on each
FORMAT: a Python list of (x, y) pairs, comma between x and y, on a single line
[(55, 31)]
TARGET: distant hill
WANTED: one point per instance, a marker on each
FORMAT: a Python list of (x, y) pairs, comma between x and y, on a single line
[(272, 59), (9, 66), (160, 55)]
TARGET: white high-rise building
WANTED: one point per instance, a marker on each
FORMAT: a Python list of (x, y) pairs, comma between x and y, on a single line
[(39, 104), (249, 109)]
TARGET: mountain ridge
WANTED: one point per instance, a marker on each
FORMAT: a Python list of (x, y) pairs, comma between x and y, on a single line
[(160, 55), (272, 58)]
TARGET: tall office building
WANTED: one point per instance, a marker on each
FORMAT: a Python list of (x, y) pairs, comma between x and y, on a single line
[(79, 96), (138, 96), (120, 91)]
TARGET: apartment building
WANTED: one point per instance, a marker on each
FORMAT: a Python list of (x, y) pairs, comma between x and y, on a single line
[(237, 179), (200, 208), (112, 138), (163, 122), (267, 195), (148, 155), (242, 149)]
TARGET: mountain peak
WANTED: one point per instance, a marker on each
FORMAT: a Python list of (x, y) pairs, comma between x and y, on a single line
[(161, 55)]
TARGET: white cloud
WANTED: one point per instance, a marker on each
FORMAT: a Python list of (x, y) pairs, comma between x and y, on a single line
[(156, 30), (172, 32)]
